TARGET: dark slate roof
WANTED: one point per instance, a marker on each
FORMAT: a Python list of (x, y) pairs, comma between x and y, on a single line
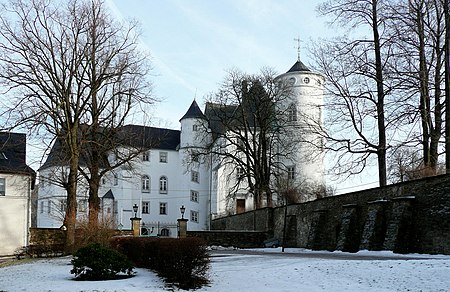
[(109, 195), (151, 137), (193, 112), (129, 135), (13, 154), (255, 106), (298, 67), (217, 114)]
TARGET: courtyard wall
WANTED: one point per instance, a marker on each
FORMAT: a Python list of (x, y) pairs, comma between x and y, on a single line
[(405, 217)]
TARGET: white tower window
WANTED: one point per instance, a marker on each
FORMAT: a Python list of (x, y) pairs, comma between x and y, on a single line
[(291, 172), (292, 113)]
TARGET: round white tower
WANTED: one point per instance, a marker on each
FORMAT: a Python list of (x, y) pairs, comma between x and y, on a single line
[(194, 125), (195, 182), (304, 114)]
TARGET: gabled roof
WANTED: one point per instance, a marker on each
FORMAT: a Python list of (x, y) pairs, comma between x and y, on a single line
[(13, 154), (109, 195), (194, 111), (298, 67)]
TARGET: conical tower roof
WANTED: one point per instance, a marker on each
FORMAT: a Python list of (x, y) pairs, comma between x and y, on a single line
[(193, 112), (298, 67)]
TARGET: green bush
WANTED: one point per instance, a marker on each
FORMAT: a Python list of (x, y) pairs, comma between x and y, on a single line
[(137, 249), (95, 262), (182, 262)]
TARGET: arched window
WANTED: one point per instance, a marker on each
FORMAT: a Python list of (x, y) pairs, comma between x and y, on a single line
[(145, 183), (292, 113), (163, 185), (165, 232)]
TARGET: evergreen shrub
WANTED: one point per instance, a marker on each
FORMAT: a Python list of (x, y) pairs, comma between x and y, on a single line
[(95, 262), (183, 262)]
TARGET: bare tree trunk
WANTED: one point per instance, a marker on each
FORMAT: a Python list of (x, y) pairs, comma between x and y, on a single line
[(381, 151), (94, 200), (70, 218), (447, 86)]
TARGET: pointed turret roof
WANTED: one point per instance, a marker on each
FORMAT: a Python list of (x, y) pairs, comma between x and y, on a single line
[(109, 195), (298, 67), (193, 112)]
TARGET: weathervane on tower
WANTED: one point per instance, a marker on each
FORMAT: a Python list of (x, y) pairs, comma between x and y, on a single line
[(297, 39)]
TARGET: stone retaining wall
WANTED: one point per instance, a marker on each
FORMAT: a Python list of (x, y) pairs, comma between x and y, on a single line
[(407, 217)]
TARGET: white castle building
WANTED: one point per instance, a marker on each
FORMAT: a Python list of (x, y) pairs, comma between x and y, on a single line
[(168, 175)]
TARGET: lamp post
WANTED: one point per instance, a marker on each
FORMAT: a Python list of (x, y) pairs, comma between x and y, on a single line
[(135, 209), (182, 224), (182, 210), (136, 222)]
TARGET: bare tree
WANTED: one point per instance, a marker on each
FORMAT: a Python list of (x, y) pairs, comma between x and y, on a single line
[(417, 32), (251, 137), (357, 85), (117, 74), (406, 164), (67, 66)]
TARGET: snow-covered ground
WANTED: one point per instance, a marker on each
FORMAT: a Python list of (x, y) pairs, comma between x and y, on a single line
[(261, 270)]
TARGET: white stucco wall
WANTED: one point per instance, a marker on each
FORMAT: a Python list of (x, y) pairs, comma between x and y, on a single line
[(14, 213)]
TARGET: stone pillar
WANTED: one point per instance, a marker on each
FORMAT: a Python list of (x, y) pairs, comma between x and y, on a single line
[(182, 228), (348, 239), (136, 226), (399, 227), (316, 237), (375, 226)]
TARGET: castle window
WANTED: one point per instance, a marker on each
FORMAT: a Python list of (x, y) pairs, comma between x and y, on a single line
[(240, 172), (163, 185), (194, 128), (146, 156), (291, 172), (240, 143), (2, 186), (165, 232), (82, 205), (163, 208), (145, 207), (195, 176), (194, 216), (145, 183), (62, 205), (163, 157), (194, 196), (292, 113)]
